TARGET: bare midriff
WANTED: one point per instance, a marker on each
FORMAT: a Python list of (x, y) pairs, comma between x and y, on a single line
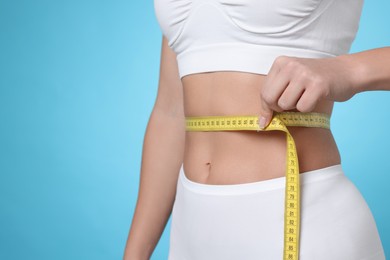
[(235, 157)]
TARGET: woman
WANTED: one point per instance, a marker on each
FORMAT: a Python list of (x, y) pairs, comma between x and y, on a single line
[(225, 189)]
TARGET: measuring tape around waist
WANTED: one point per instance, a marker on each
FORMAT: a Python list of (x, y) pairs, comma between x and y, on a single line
[(279, 122)]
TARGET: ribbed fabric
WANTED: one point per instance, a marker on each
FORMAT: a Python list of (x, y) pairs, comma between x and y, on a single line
[(247, 35)]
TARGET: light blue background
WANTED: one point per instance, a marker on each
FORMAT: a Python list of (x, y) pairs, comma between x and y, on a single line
[(78, 80)]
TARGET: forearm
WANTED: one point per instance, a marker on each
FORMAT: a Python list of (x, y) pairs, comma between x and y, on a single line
[(161, 160), (369, 70)]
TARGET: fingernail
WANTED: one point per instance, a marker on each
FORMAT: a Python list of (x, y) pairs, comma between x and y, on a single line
[(262, 122)]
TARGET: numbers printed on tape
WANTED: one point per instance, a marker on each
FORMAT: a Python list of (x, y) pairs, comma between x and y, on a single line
[(279, 122)]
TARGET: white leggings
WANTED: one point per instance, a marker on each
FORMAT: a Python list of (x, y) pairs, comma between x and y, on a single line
[(245, 221)]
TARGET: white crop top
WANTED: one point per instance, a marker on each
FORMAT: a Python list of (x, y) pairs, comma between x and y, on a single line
[(247, 35)]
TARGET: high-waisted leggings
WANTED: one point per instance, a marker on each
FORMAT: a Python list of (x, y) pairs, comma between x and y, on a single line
[(246, 221)]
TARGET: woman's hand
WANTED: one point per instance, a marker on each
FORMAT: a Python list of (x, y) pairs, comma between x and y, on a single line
[(300, 83)]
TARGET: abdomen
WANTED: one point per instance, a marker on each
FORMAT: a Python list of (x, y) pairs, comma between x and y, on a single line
[(230, 157)]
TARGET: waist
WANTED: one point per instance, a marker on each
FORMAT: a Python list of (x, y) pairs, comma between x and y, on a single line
[(230, 157), (222, 157)]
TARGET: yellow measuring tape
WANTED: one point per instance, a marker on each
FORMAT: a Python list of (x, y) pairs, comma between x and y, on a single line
[(279, 122)]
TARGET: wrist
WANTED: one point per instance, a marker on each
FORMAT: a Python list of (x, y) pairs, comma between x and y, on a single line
[(356, 72)]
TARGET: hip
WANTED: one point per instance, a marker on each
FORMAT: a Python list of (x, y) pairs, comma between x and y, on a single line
[(245, 221)]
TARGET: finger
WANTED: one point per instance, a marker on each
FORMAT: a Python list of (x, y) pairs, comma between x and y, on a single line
[(265, 114), (308, 100), (274, 87), (274, 70), (289, 98)]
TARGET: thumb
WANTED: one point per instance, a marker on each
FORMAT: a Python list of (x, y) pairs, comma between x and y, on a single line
[(266, 114)]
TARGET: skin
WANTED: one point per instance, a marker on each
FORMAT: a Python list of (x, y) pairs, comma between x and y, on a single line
[(301, 83), (239, 156)]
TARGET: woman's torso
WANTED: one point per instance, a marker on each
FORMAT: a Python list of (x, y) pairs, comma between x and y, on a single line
[(236, 42), (231, 157)]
